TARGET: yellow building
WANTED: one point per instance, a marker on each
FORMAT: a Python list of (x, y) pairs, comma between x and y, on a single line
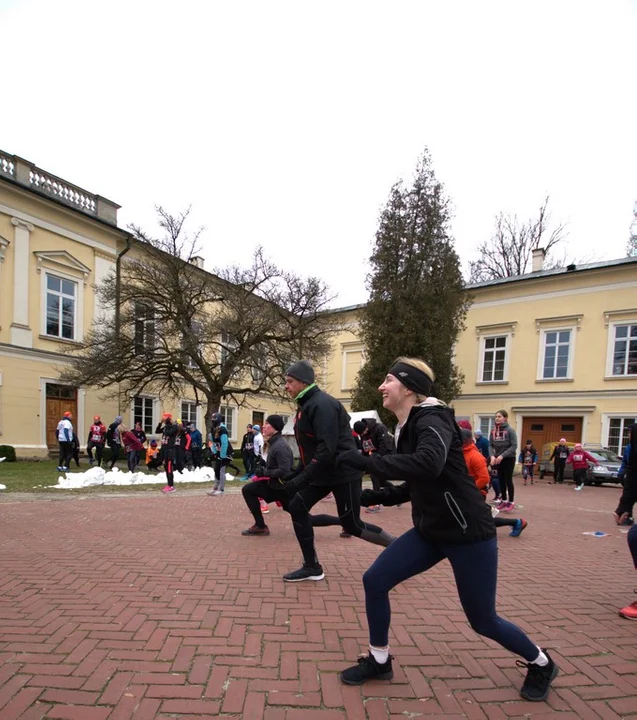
[(557, 349), (57, 243)]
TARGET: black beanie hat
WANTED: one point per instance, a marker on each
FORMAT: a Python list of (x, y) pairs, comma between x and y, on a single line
[(276, 421), (359, 427), (302, 371)]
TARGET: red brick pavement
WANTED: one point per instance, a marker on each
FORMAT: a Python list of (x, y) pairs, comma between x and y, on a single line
[(134, 608)]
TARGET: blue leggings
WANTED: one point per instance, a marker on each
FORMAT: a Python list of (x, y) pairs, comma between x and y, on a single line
[(475, 567), (632, 543)]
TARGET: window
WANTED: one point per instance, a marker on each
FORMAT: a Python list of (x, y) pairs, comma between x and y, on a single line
[(258, 417), (228, 346), (567, 428), (619, 433), (485, 423), (196, 330), (143, 413), (353, 359), (227, 413), (494, 359), (537, 427), (285, 419), (188, 412), (625, 350), (60, 307), (557, 351), (144, 328), (259, 361)]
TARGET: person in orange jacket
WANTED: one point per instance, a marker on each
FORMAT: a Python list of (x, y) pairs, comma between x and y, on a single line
[(477, 467)]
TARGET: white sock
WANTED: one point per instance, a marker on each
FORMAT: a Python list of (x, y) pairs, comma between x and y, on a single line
[(541, 659), (381, 655)]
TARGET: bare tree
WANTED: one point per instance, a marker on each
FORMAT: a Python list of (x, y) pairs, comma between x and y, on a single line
[(171, 325), (509, 251)]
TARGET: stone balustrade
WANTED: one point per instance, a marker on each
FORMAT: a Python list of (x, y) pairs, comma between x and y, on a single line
[(26, 173)]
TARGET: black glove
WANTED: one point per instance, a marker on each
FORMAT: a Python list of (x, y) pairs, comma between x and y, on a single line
[(353, 459), (260, 472), (373, 497)]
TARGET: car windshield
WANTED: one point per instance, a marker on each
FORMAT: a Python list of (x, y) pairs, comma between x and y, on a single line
[(605, 456)]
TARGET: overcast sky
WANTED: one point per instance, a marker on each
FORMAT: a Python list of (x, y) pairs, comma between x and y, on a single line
[(286, 123)]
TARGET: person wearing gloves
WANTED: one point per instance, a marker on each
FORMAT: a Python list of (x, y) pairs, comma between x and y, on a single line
[(322, 431), (503, 446), (96, 440), (222, 452), (451, 521), (374, 439), (114, 439), (269, 478), (64, 433), (168, 430), (559, 456)]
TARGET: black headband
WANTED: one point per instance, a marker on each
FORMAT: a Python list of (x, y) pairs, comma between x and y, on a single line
[(412, 378)]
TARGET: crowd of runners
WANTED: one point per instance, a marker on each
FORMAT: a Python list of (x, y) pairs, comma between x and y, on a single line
[(443, 468)]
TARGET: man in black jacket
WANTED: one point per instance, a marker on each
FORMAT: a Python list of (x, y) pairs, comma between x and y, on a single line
[(270, 483), (322, 432)]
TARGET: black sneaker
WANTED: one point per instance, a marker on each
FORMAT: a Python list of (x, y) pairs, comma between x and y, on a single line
[(256, 530), (367, 668), (538, 679), (307, 572)]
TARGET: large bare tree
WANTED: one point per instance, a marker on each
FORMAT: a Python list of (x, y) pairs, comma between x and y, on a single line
[(169, 325), (509, 251)]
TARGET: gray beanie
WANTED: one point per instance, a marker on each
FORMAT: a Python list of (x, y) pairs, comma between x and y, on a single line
[(302, 371), (119, 419)]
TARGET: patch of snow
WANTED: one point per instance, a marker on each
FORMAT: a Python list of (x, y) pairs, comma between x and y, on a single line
[(100, 476), (3, 487)]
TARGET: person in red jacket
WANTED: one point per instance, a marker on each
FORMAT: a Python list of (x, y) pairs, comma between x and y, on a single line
[(97, 440), (132, 445), (580, 460)]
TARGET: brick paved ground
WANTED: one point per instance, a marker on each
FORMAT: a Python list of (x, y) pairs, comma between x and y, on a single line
[(155, 607)]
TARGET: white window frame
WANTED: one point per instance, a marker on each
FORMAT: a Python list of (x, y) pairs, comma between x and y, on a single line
[(181, 410), (154, 401), (234, 411), (507, 357), (477, 423), (145, 344), (78, 314), (542, 353), (348, 348), (607, 417), (610, 350)]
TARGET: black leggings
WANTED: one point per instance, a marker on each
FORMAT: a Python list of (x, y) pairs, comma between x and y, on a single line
[(558, 469), (169, 465), (475, 569), (347, 498), (629, 494), (505, 471)]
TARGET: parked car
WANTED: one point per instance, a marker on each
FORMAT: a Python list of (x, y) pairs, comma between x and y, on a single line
[(606, 471)]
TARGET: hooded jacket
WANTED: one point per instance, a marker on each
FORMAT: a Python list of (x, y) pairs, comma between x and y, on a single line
[(375, 438), (446, 505), (280, 458), (322, 432), (503, 441), (477, 467)]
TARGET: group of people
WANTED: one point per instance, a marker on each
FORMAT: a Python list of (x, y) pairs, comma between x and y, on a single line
[(451, 519)]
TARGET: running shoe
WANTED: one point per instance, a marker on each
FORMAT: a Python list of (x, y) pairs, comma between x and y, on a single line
[(264, 507), (256, 530), (630, 611), (345, 534), (619, 519), (307, 572), (520, 524), (507, 507), (367, 668), (578, 488), (373, 509), (168, 489), (538, 679)]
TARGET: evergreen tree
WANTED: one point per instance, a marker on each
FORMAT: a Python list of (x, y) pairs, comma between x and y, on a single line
[(417, 301)]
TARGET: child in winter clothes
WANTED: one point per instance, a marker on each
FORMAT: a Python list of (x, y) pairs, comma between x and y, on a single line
[(153, 459), (528, 458), (580, 460)]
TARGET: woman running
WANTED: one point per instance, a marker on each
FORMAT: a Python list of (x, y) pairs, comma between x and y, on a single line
[(451, 520)]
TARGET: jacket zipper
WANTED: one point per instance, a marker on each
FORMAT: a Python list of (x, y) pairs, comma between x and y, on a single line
[(456, 511)]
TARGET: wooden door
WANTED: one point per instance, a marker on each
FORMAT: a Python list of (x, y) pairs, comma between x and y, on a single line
[(59, 399), (542, 430)]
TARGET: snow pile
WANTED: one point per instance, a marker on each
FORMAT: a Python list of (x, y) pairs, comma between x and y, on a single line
[(3, 487), (100, 476)]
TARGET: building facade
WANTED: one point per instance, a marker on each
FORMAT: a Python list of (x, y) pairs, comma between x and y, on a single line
[(557, 349), (58, 242)]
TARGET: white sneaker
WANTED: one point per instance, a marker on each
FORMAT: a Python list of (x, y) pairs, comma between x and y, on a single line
[(577, 488), (218, 492)]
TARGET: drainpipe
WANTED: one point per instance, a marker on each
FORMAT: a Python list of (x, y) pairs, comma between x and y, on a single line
[(118, 282)]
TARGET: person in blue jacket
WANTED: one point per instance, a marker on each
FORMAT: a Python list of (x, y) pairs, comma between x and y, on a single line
[(482, 444), (196, 445)]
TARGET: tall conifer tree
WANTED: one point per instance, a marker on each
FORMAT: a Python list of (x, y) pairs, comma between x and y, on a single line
[(417, 301)]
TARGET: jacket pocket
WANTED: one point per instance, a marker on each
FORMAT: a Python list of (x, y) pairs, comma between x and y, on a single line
[(455, 510)]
